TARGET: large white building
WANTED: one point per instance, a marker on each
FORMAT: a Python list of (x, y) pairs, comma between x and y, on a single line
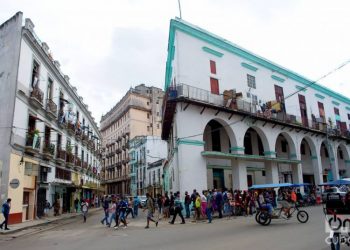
[(50, 142), (233, 118)]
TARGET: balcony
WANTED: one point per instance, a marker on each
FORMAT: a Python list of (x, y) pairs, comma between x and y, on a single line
[(70, 159), (60, 156), (77, 165), (84, 139), (33, 143), (78, 134), (71, 129), (36, 98), (48, 151), (225, 103), (85, 165), (51, 109)]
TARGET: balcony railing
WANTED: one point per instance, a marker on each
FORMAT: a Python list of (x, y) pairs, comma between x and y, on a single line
[(37, 95), (49, 149), (70, 158), (61, 155), (85, 165), (78, 162), (51, 107), (253, 109), (33, 142)]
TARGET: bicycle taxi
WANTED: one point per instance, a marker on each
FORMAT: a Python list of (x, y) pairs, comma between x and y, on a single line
[(265, 214)]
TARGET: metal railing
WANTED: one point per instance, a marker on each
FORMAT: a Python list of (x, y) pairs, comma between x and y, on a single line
[(51, 106), (37, 94), (251, 108)]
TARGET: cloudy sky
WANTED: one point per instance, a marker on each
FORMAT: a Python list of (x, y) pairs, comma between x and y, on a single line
[(108, 46)]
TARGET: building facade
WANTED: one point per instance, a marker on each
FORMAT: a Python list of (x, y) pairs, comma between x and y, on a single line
[(233, 119), (137, 113), (50, 146), (147, 155)]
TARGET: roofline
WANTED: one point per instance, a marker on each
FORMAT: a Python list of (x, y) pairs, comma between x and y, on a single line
[(219, 42)]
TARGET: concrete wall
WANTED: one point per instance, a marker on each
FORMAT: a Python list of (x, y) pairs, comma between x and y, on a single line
[(191, 66), (10, 41)]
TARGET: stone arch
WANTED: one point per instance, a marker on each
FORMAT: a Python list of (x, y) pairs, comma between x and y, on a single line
[(262, 135), (311, 143), (223, 128), (291, 144), (343, 160)]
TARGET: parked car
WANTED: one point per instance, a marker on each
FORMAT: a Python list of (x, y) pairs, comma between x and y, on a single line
[(332, 190), (143, 199)]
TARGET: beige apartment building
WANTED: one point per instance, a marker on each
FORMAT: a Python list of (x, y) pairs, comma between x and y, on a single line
[(137, 113)]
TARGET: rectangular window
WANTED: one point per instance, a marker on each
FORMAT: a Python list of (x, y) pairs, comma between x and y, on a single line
[(321, 111), (49, 89), (251, 81), (35, 74), (214, 86), (212, 67), (254, 99), (336, 111)]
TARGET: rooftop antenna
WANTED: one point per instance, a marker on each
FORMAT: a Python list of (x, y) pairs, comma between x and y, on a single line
[(179, 8)]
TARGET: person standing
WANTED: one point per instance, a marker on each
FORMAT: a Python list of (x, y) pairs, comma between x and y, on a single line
[(136, 205), (160, 203), (123, 204), (6, 212), (130, 208), (57, 207), (187, 204), (197, 206), (84, 209), (166, 209), (209, 206), (150, 210), (112, 210), (177, 209), (47, 208), (76, 203), (219, 201)]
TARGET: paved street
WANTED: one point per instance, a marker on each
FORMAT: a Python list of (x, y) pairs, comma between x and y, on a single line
[(239, 233)]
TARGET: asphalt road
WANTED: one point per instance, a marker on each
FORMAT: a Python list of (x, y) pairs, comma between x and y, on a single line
[(238, 233)]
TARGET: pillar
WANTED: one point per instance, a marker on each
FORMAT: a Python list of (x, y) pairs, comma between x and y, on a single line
[(335, 168), (347, 168), (271, 170), (239, 175), (317, 167)]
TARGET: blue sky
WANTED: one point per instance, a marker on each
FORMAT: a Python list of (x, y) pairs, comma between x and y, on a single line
[(108, 46)]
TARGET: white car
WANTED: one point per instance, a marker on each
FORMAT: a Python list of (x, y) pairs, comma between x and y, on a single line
[(332, 190)]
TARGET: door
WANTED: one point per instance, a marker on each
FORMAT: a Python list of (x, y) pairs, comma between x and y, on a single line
[(303, 111), (65, 203), (218, 178), (321, 111), (26, 204), (214, 86), (280, 97), (41, 202)]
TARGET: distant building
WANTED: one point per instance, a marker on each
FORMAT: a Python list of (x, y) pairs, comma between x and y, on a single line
[(137, 113), (147, 155), (234, 119), (49, 147)]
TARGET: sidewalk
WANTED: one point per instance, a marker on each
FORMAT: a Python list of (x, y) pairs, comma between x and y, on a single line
[(44, 221)]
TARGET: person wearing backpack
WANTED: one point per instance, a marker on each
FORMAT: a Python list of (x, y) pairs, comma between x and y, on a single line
[(6, 212)]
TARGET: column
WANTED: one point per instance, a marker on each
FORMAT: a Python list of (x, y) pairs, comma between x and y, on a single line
[(239, 175), (317, 167), (335, 168), (347, 168), (192, 166), (271, 170), (297, 175)]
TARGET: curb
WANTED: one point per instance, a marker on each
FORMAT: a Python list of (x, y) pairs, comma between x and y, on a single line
[(45, 223)]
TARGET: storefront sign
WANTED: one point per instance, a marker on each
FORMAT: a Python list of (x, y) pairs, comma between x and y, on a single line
[(14, 183)]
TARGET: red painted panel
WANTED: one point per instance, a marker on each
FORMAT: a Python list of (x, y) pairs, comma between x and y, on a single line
[(15, 218), (214, 86), (212, 67)]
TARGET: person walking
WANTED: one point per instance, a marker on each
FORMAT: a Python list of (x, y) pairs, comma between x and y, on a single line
[(177, 209), (47, 208), (105, 206), (150, 210), (136, 205), (160, 203), (84, 209), (56, 207), (123, 205), (209, 206), (112, 210), (6, 212), (166, 210), (187, 205), (130, 208)]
